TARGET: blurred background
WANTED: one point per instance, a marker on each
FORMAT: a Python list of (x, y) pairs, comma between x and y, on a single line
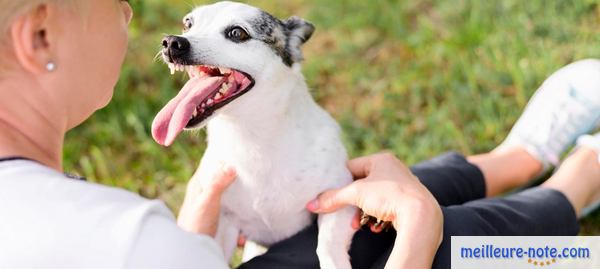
[(416, 77)]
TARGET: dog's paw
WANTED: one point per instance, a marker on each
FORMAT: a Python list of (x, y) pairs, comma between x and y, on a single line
[(333, 259)]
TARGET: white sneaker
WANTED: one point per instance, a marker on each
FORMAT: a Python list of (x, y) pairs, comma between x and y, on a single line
[(592, 142), (566, 106)]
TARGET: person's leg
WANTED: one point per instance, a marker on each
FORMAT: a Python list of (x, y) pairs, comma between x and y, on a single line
[(296, 252), (451, 179), (551, 209), (533, 212), (578, 179), (507, 169), (566, 106)]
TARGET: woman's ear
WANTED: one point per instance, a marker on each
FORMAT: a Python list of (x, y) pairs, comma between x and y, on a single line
[(29, 39)]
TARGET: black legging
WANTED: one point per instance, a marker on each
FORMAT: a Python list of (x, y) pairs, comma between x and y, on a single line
[(459, 187)]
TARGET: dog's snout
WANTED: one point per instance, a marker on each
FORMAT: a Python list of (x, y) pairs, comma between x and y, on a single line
[(176, 45)]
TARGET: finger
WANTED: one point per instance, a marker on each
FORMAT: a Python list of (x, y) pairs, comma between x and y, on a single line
[(356, 220), (360, 167), (364, 219), (333, 200), (222, 179), (377, 227), (241, 240)]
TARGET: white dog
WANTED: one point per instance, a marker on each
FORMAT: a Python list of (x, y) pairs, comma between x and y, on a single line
[(246, 86)]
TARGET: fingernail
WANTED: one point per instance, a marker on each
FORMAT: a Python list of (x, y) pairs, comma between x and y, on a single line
[(313, 205), (228, 170)]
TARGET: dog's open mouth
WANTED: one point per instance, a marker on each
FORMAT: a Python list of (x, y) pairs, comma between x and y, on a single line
[(209, 89)]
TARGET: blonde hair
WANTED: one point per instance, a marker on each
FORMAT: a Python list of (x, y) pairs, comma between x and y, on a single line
[(10, 9)]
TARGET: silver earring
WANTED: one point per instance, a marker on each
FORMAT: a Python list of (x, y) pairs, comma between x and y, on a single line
[(51, 66)]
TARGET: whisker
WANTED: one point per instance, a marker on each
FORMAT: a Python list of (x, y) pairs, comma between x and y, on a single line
[(158, 57)]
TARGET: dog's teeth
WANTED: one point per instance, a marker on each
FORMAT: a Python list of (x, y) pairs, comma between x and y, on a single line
[(209, 102), (192, 71), (224, 70), (172, 68), (218, 96), (224, 88), (195, 113)]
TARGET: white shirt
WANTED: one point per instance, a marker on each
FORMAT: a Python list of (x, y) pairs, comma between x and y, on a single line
[(48, 220)]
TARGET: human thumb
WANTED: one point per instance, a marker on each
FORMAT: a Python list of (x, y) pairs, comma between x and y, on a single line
[(332, 200)]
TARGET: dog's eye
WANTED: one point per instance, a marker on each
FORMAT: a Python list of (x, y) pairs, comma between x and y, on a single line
[(237, 34), (187, 24)]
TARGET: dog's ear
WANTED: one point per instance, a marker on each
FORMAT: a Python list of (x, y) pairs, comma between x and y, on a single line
[(298, 31)]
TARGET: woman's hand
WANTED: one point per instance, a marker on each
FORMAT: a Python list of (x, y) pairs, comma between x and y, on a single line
[(200, 210), (386, 189)]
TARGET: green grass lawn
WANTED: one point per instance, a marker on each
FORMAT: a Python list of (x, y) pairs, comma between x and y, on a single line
[(415, 77)]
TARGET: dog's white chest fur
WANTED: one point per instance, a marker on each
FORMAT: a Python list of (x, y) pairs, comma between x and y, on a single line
[(282, 160)]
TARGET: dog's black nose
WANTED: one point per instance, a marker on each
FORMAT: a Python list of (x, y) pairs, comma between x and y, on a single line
[(176, 45)]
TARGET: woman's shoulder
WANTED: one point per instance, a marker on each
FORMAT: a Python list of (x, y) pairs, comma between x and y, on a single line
[(35, 182), (46, 208)]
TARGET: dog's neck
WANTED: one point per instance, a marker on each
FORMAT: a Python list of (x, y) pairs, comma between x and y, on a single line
[(291, 109)]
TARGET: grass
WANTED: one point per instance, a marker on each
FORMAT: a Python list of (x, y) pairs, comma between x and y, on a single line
[(415, 77)]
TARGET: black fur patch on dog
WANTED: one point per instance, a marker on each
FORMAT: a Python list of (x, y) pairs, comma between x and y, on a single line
[(284, 37)]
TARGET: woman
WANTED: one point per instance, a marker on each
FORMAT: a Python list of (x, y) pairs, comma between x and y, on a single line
[(60, 62)]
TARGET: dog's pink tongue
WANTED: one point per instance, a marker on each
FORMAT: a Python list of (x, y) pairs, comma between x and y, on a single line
[(171, 120)]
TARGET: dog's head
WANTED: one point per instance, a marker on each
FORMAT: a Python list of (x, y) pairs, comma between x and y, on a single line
[(229, 50)]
